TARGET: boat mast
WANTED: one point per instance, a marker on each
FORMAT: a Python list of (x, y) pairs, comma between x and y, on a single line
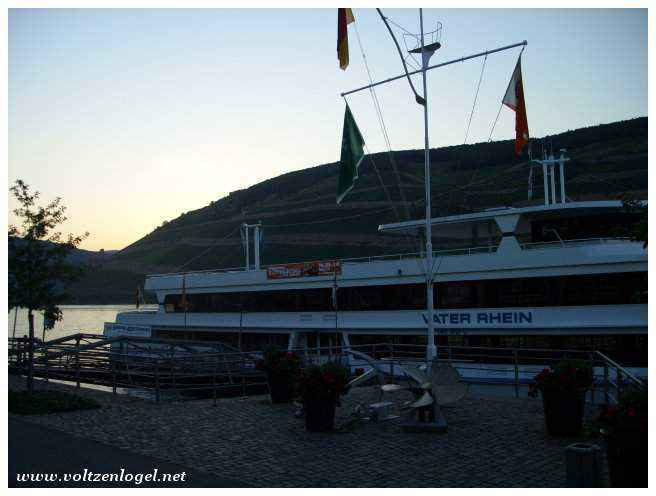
[(431, 350), (426, 53)]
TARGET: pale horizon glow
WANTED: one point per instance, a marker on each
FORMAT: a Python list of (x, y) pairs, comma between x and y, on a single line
[(136, 116)]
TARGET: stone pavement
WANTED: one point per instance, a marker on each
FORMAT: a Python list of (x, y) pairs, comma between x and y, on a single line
[(35, 449), (491, 442)]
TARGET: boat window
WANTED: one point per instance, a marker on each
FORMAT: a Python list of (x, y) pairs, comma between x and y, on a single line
[(594, 289)]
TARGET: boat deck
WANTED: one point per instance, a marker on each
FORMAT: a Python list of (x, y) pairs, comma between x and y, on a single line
[(471, 250)]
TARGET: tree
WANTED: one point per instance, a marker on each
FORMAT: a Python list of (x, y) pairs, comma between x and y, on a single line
[(639, 230), (39, 273)]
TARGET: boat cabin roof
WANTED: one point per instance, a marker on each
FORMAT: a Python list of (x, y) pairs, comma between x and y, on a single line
[(560, 209)]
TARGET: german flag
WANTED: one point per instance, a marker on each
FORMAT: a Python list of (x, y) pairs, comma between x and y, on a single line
[(344, 18)]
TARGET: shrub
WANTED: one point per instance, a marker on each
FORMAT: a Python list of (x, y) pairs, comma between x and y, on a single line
[(329, 380), (277, 360), (630, 413), (567, 375), (42, 402)]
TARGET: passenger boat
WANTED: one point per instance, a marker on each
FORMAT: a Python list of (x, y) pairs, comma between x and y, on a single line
[(548, 276)]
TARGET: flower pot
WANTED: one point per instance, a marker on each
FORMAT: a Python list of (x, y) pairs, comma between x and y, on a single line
[(281, 386), (319, 414), (563, 411), (626, 452)]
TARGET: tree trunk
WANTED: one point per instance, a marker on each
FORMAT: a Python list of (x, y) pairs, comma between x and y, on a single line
[(30, 351)]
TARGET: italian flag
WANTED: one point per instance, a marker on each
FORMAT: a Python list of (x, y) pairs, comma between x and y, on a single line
[(514, 99)]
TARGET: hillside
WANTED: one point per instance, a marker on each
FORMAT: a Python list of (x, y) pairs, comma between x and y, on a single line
[(302, 222)]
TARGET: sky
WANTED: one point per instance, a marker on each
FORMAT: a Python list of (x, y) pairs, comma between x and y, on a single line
[(135, 116)]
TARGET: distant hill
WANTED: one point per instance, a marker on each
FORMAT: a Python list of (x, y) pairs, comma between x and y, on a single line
[(79, 256), (302, 222)]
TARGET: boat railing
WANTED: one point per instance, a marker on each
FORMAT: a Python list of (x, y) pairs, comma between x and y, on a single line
[(179, 369), (374, 258), (513, 368), (573, 242)]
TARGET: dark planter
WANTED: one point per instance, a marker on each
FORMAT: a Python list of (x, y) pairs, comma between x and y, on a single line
[(563, 412), (319, 414), (626, 452), (281, 386)]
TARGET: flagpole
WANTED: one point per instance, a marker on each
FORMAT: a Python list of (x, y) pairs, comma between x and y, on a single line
[(431, 350)]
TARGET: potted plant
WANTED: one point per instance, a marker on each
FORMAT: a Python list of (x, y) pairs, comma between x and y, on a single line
[(320, 389), (563, 389), (281, 369), (624, 426)]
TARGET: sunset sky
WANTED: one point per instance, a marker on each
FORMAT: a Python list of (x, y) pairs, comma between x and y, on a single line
[(136, 116)]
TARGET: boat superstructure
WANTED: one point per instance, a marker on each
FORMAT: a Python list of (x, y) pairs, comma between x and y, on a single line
[(511, 281)]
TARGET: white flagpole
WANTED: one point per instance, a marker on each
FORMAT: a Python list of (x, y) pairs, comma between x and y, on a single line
[(431, 350)]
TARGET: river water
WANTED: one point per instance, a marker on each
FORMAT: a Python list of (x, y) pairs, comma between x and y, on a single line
[(76, 318)]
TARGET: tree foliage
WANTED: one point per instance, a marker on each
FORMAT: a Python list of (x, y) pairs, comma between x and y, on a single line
[(39, 273), (639, 230)]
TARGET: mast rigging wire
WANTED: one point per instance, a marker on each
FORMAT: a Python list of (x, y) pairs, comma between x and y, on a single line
[(383, 127), (381, 122), (478, 87), (204, 252)]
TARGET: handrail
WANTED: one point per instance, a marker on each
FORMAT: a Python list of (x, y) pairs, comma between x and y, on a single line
[(625, 372), (373, 258), (113, 361), (565, 242), (401, 256)]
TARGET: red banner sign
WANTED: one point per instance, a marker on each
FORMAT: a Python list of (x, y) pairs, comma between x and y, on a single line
[(304, 269)]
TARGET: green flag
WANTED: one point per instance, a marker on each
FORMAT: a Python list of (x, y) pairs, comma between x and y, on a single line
[(352, 155)]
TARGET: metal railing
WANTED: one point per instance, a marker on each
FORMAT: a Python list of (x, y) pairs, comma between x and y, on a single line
[(505, 367), (187, 369), (573, 242), (374, 258), (412, 255), (155, 368)]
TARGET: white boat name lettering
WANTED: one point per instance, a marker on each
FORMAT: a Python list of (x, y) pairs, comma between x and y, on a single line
[(456, 318)]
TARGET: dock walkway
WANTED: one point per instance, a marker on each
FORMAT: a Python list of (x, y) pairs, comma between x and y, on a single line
[(492, 442)]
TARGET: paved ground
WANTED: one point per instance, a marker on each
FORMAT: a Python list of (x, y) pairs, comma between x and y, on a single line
[(35, 449), (491, 442)]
